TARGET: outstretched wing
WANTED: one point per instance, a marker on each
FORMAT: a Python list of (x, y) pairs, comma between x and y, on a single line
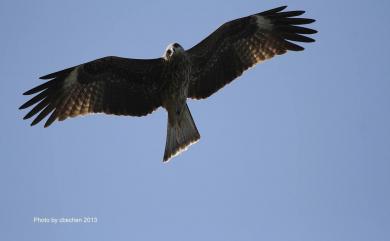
[(112, 85), (239, 44)]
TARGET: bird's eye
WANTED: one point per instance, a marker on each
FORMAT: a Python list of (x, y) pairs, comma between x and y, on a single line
[(169, 52)]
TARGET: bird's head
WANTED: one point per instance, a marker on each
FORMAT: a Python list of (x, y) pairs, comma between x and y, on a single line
[(172, 50)]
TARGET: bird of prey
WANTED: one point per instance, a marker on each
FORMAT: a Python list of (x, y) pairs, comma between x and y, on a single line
[(137, 87)]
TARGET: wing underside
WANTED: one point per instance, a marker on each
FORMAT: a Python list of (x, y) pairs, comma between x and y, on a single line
[(110, 85), (239, 44)]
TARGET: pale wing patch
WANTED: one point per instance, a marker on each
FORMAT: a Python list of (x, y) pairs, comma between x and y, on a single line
[(72, 78), (263, 23)]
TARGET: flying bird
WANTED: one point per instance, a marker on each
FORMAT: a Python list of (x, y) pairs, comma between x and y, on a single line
[(137, 87)]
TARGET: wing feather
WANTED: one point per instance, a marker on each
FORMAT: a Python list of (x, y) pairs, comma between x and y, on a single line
[(110, 85), (41, 87), (239, 44)]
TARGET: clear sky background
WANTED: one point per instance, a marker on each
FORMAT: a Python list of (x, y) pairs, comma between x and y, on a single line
[(297, 149)]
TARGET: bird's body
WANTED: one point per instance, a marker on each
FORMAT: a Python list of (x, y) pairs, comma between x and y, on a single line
[(137, 87), (181, 128), (178, 72)]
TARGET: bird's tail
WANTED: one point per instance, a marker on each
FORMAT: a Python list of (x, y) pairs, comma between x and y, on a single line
[(181, 133)]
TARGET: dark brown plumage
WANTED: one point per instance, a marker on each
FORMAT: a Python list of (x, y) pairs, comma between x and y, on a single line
[(239, 44), (112, 85), (136, 87)]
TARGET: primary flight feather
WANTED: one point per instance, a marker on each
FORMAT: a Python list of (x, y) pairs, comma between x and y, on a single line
[(137, 87)]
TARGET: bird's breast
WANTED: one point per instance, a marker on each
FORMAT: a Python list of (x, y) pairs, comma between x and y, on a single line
[(177, 78)]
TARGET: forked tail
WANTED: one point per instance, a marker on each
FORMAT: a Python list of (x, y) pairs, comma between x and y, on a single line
[(181, 133)]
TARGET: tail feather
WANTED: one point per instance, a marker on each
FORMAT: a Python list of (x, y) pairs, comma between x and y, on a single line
[(181, 133)]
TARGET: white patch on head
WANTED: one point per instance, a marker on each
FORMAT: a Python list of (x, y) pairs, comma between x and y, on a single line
[(263, 23), (72, 78), (173, 49), (170, 46)]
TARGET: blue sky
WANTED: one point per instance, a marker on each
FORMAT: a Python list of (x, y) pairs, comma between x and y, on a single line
[(298, 148)]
